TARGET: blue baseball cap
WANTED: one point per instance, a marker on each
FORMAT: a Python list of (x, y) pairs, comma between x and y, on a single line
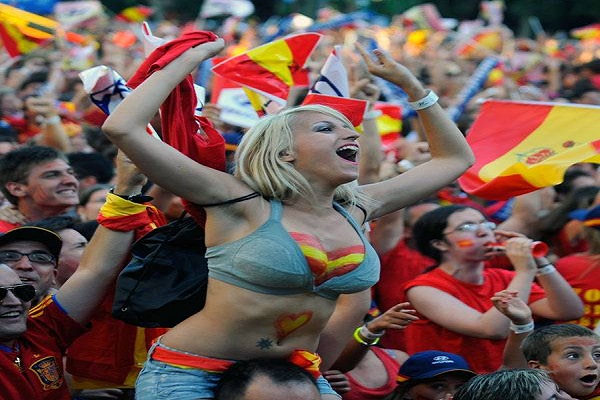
[(589, 216), (428, 364)]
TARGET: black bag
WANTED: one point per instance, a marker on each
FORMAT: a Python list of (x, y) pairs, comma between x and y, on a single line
[(165, 281)]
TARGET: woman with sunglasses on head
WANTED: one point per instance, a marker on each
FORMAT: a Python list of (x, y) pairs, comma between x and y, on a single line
[(453, 298)]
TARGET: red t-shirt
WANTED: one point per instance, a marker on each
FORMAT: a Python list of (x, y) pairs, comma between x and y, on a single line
[(360, 392), (483, 355), (6, 226), (398, 266), (582, 271), (39, 351)]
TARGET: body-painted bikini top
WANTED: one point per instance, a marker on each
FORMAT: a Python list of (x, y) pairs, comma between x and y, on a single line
[(270, 261)]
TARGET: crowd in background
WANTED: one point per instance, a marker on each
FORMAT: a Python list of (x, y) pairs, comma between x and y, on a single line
[(468, 319)]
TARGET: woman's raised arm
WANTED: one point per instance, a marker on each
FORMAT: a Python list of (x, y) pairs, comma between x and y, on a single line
[(451, 155), (167, 167)]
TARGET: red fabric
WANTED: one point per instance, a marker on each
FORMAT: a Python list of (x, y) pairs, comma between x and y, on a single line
[(398, 266), (562, 246), (6, 226), (143, 222), (483, 355), (106, 352), (179, 124), (360, 392), (582, 272), (40, 349)]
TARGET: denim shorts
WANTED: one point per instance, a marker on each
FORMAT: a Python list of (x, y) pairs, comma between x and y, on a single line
[(162, 381)]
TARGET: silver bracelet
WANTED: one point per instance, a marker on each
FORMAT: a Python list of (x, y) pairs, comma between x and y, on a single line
[(53, 120), (518, 329), (430, 99), (367, 334)]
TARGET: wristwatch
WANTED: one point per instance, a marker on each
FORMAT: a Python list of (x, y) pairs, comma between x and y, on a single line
[(134, 198)]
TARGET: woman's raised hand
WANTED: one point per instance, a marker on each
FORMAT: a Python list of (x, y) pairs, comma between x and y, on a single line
[(204, 51), (386, 68)]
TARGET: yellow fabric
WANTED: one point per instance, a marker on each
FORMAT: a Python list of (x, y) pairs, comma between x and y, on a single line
[(574, 123), (116, 206), (276, 58)]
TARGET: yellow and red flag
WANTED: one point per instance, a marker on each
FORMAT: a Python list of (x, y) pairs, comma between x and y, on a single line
[(524, 146), (587, 32), (484, 42), (135, 14), (353, 109), (273, 68), (22, 32)]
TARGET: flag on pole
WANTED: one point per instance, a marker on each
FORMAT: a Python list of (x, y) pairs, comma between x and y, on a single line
[(273, 68), (333, 80), (588, 32), (524, 146)]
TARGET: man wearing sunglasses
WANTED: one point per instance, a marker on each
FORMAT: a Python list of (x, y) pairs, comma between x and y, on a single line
[(33, 254), (33, 340)]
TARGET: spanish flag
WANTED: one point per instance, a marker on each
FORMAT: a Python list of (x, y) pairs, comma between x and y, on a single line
[(273, 68), (22, 32), (353, 109), (485, 42), (587, 32), (135, 14), (524, 146)]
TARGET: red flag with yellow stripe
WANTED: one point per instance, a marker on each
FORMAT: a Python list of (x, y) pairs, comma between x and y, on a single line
[(523, 146), (22, 32), (273, 68)]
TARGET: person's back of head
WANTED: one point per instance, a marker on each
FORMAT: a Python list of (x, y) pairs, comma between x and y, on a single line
[(16, 165), (513, 384), (92, 167), (266, 379)]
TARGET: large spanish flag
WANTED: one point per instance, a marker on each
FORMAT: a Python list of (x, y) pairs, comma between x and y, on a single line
[(273, 68), (523, 146)]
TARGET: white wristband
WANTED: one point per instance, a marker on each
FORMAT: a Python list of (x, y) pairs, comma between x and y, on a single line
[(425, 102), (518, 329), (548, 269), (53, 120), (372, 114), (367, 334)]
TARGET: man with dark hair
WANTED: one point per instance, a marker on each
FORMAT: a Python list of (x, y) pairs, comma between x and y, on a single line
[(91, 168), (38, 182), (266, 379)]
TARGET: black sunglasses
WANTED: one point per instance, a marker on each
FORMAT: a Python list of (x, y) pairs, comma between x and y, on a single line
[(22, 292)]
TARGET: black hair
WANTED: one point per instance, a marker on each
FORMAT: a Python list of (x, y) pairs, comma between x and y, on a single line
[(16, 165), (92, 164), (538, 345), (430, 227), (235, 381)]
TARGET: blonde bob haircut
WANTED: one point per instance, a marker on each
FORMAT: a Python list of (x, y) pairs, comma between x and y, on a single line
[(259, 164)]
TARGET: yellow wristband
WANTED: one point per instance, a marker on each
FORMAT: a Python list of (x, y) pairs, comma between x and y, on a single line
[(362, 341)]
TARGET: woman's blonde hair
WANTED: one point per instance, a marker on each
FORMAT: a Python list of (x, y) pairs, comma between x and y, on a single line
[(259, 158)]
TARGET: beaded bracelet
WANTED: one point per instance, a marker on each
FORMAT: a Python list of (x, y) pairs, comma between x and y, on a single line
[(518, 329), (425, 102), (362, 341)]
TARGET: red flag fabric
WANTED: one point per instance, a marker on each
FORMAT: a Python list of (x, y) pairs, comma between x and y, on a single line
[(273, 68), (180, 127), (353, 109), (524, 146), (135, 14)]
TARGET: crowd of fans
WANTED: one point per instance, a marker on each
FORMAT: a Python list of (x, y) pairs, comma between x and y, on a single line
[(461, 308)]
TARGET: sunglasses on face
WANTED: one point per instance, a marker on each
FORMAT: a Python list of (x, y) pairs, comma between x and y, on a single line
[(38, 257), (23, 292), (474, 227)]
